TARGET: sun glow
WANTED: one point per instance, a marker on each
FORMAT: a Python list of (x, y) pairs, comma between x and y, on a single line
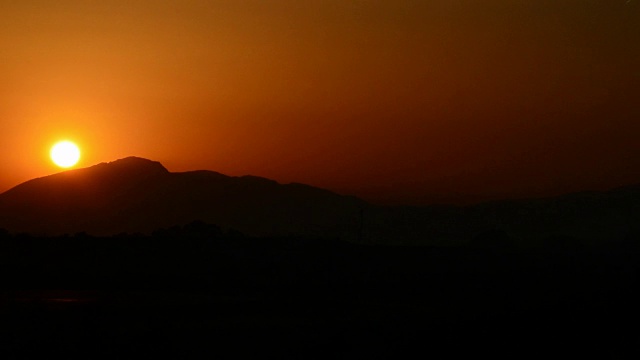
[(65, 154)]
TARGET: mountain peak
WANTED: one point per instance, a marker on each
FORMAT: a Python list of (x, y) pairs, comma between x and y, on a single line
[(137, 163), (124, 170), (91, 180)]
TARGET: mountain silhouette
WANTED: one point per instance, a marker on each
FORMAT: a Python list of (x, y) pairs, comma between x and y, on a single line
[(136, 195)]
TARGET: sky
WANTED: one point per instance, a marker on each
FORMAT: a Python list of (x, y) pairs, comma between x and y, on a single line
[(395, 101)]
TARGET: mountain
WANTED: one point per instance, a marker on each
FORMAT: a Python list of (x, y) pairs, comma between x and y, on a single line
[(584, 217), (138, 195)]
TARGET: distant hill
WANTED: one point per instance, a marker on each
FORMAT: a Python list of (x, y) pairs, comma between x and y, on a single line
[(138, 195)]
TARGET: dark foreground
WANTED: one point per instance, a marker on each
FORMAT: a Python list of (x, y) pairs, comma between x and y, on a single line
[(195, 291)]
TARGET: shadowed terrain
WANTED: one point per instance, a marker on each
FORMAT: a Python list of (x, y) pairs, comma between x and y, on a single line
[(197, 290), (135, 195), (108, 261)]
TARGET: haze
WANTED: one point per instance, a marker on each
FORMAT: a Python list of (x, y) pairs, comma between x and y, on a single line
[(394, 101)]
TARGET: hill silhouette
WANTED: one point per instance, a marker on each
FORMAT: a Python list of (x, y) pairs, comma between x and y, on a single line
[(136, 195)]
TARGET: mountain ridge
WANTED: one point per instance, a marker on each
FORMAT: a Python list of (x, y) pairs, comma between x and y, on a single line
[(138, 195)]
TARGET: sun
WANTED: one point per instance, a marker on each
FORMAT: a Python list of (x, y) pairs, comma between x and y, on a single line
[(65, 154)]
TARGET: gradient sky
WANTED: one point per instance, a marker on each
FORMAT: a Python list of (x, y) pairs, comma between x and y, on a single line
[(393, 100)]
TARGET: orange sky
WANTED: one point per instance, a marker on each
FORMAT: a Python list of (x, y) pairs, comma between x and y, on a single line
[(398, 101)]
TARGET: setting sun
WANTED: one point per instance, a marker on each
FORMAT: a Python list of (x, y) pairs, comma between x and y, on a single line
[(65, 154)]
